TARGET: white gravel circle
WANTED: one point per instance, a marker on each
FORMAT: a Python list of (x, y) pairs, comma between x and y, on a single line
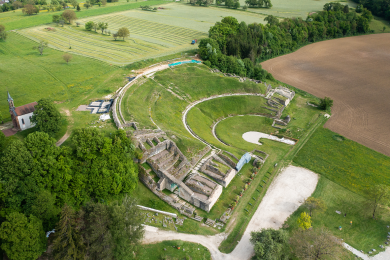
[(253, 137)]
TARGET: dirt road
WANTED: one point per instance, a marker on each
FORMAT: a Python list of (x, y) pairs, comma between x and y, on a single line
[(355, 73), (284, 196)]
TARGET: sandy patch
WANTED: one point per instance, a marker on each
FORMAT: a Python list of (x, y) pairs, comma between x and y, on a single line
[(253, 137)]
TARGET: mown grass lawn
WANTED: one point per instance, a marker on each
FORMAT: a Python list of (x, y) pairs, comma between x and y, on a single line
[(345, 162), (364, 234), (168, 250)]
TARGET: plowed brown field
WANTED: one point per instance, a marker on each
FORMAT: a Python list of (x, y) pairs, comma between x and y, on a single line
[(355, 73)]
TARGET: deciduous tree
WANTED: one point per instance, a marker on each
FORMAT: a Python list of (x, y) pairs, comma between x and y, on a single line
[(41, 47), (314, 204), (316, 244), (326, 103), (270, 244), (46, 117), (89, 25), (378, 195), (69, 16), (103, 26), (304, 221), (123, 32), (56, 18), (67, 57), (22, 237), (29, 9)]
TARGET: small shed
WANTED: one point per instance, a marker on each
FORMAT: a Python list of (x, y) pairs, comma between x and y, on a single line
[(244, 159)]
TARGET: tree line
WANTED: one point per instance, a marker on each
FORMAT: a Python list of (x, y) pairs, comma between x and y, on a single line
[(379, 8), (238, 48), (33, 6), (235, 4), (38, 179)]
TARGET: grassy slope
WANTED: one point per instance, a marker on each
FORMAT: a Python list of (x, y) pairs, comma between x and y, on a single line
[(190, 83), (347, 163), (16, 20), (364, 233), (156, 251), (201, 117), (29, 76)]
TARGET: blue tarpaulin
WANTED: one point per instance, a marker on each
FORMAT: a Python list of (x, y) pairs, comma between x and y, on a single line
[(183, 62), (244, 159)]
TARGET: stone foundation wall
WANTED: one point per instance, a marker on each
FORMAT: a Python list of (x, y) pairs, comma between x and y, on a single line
[(228, 160)]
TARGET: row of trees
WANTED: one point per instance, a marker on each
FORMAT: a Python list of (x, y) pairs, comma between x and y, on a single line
[(121, 33), (257, 42)]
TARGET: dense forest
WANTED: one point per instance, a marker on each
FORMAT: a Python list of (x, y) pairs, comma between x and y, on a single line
[(79, 190), (379, 8), (235, 47)]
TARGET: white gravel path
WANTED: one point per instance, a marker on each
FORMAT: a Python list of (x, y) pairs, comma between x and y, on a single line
[(253, 137), (287, 192)]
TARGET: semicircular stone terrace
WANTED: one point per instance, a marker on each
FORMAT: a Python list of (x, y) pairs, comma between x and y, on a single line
[(153, 104)]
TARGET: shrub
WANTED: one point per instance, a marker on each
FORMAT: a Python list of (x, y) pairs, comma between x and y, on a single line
[(89, 26), (326, 103)]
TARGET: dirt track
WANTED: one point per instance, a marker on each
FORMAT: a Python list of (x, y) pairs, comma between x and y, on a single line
[(355, 73)]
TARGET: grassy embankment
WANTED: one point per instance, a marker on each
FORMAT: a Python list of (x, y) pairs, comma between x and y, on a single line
[(157, 251), (195, 83), (170, 93)]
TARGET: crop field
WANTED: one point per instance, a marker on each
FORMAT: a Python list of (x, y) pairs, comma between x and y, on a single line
[(294, 8), (193, 17), (354, 73), (145, 41), (152, 34)]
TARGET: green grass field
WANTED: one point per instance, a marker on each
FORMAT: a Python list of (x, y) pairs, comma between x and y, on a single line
[(345, 162), (152, 34), (17, 20), (30, 76), (168, 250), (147, 39), (364, 233)]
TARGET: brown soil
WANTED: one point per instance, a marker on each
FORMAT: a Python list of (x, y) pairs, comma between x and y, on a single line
[(355, 73)]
